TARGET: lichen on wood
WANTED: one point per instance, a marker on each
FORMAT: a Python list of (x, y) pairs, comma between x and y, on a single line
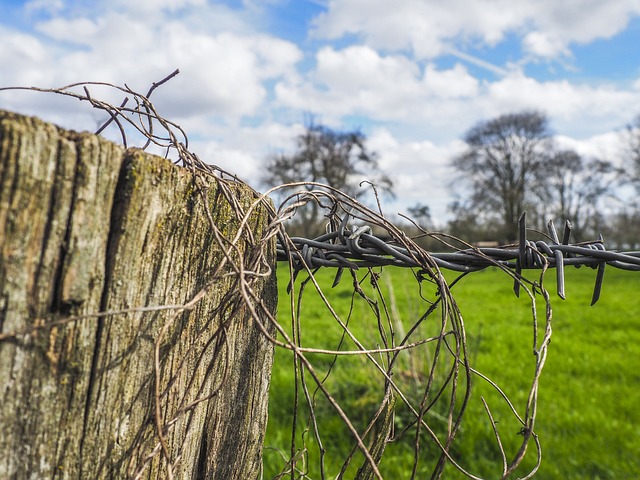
[(87, 227)]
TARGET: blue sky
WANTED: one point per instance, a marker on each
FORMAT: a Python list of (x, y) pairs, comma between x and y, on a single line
[(414, 75)]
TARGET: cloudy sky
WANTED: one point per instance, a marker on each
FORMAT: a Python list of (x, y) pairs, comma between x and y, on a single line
[(413, 75)]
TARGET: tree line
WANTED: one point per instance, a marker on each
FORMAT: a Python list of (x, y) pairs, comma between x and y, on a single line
[(511, 164)]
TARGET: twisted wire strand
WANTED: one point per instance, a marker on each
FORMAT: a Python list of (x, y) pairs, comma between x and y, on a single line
[(358, 247)]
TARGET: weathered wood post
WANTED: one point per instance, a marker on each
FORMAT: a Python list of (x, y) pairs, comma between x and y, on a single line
[(87, 227)]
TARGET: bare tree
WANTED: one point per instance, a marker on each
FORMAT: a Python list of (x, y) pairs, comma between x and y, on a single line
[(472, 225), (574, 188), (626, 223), (623, 229), (339, 159), (632, 149), (421, 213), (503, 164)]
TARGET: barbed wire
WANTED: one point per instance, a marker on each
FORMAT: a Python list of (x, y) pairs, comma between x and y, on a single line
[(355, 247)]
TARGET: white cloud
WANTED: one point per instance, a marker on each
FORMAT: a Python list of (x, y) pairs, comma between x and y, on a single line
[(47, 6), (428, 26), (359, 81), (222, 72), (356, 79), (573, 108), (242, 150), (24, 53), (153, 6), (360, 68), (76, 30), (452, 83), (544, 44), (584, 20), (420, 170), (606, 146)]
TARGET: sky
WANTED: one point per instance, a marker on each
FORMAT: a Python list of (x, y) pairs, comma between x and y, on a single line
[(412, 75)]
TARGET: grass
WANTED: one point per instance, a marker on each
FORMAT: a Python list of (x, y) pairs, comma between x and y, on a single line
[(588, 398)]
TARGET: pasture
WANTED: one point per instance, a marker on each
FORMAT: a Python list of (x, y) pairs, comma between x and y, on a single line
[(589, 391)]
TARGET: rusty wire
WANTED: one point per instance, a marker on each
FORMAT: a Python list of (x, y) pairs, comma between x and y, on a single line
[(352, 248)]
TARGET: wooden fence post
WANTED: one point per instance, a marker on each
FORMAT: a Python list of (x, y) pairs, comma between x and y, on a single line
[(88, 227)]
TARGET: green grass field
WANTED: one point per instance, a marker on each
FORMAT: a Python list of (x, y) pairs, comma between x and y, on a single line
[(589, 395)]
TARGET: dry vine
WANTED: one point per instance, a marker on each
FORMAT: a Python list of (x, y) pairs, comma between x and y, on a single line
[(451, 389), (446, 390)]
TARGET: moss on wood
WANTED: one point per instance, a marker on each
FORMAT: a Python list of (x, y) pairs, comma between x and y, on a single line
[(87, 227)]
